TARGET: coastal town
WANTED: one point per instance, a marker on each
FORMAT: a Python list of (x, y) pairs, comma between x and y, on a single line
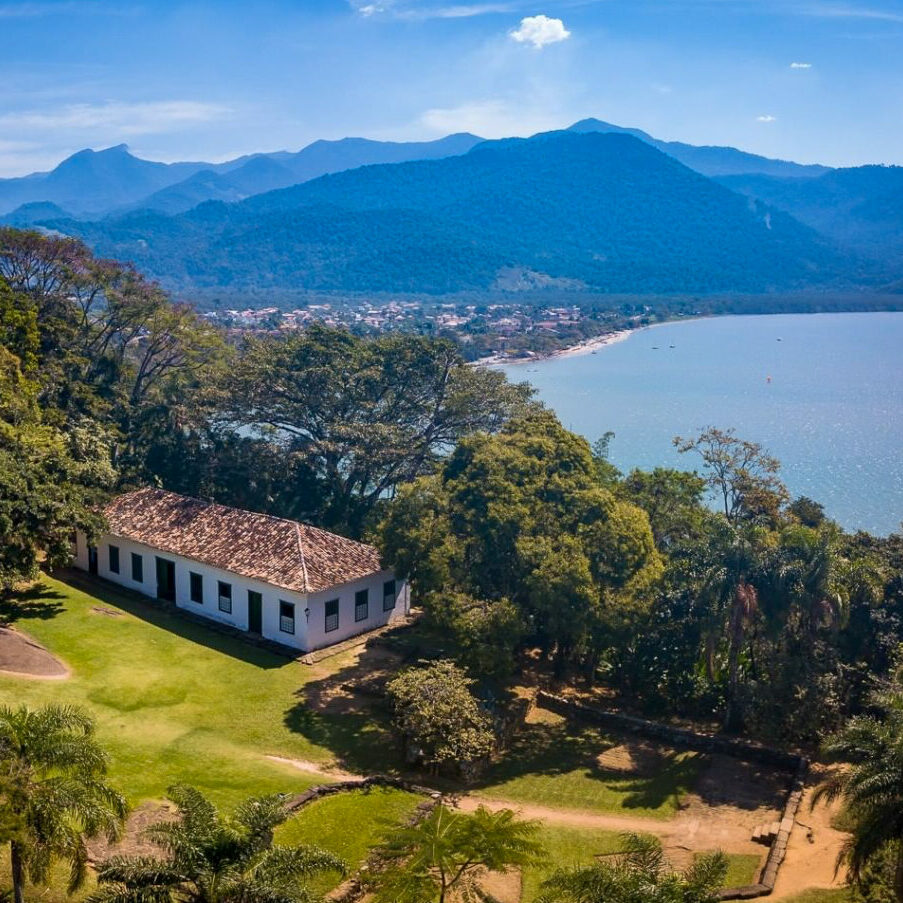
[(498, 331)]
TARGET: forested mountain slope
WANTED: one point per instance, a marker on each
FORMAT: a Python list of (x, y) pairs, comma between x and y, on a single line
[(601, 211)]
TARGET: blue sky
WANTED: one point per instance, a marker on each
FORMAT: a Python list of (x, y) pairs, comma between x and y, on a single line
[(188, 80)]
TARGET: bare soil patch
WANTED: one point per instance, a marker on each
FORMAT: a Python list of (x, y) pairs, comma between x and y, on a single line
[(133, 842), (635, 757), (23, 656), (108, 612), (505, 887), (335, 774)]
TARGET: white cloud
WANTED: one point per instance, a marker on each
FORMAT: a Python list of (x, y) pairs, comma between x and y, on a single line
[(801, 65), (766, 118), (850, 11), (413, 11), (116, 119), (540, 31), (464, 11)]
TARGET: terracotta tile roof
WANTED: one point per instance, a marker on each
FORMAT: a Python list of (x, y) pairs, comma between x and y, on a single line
[(284, 553)]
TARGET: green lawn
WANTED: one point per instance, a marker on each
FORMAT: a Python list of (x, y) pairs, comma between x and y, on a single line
[(176, 701), (742, 868), (566, 848), (348, 824), (835, 895), (554, 763)]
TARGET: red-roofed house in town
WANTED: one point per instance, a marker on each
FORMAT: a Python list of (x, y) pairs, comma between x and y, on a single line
[(286, 581)]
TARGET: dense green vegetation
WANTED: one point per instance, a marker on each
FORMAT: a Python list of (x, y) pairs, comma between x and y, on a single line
[(599, 211), (859, 207)]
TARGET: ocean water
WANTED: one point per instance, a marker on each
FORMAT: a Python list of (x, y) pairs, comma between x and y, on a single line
[(822, 392)]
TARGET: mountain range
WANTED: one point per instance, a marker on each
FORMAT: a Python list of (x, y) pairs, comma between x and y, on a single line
[(595, 207), (99, 183), (576, 210), (91, 184)]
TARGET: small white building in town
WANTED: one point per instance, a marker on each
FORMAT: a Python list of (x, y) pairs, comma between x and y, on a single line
[(286, 581)]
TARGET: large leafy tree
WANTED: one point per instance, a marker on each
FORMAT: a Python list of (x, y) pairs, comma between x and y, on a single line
[(50, 479), (366, 414), (444, 856), (871, 787), (110, 344), (209, 857), (54, 792), (438, 716), (640, 874), (519, 519), (742, 475)]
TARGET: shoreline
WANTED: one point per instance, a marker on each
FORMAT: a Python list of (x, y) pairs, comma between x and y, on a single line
[(586, 346)]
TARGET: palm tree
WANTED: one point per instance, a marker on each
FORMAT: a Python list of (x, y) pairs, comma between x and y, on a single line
[(872, 787), (448, 852), (212, 858), (806, 575), (639, 874), (55, 796), (733, 602)]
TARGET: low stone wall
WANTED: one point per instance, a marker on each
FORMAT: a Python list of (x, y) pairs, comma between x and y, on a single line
[(377, 780), (778, 849), (708, 743), (353, 889)]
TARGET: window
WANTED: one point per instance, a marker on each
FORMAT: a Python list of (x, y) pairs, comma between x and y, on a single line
[(137, 568), (361, 605), (286, 617), (332, 615), (225, 596), (389, 595), (197, 588), (114, 559)]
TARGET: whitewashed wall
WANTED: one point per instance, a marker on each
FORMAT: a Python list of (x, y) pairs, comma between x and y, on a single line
[(309, 628), (317, 636)]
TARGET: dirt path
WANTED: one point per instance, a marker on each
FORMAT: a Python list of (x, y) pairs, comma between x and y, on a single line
[(811, 853), (335, 774), (682, 836), (568, 817)]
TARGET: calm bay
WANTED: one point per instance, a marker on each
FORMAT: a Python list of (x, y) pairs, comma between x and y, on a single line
[(822, 392)]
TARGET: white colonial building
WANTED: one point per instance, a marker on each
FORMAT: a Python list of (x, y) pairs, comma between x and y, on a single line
[(286, 581)]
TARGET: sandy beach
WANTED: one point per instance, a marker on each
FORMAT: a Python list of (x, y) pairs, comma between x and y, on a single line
[(587, 346)]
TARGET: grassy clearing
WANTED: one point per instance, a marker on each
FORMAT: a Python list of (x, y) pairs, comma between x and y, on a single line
[(742, 868), (554, 763), (566, 848), (817, 895), (348, 825), (56, 892), (177, 702)]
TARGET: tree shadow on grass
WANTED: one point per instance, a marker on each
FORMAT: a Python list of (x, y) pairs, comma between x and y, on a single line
[(38, 602), (571, 746), (346, 712), (360, 743), (202, 632)]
